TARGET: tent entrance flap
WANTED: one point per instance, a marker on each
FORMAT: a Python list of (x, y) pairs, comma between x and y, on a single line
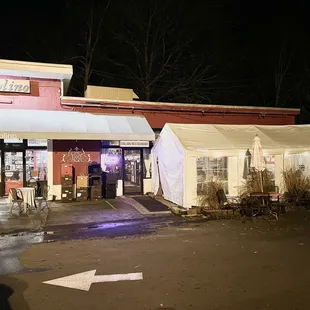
[(41, 124)]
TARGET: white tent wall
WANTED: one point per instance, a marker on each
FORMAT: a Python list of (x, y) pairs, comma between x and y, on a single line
[(233, 173), (190, 180), (179, 146), (278, 172), (170, 154), (155, 176)]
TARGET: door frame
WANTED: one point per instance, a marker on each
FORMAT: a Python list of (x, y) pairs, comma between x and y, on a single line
[(141, 173)]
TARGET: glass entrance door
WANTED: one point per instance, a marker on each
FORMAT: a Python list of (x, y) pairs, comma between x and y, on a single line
[(13, 170), (132, 172)]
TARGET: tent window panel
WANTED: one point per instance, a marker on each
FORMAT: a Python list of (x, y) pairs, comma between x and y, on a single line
[(271, 165), (211, 170), (301, 162)]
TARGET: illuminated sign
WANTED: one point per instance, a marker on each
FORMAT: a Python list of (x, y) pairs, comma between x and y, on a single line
[(15, 86), (111, 159), (134, 144)]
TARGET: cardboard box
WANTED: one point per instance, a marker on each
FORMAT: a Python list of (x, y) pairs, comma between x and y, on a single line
[(82, 181), (67, 181), (66, 170), (67, 193), (82, 193)]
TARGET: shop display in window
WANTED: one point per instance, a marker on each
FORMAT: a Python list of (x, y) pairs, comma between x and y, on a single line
[(36, 164), (111, 161), (13, 165)]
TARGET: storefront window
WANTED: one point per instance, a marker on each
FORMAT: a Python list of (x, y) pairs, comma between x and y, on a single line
[(36, 164), (211, 170), (13, 162), (111, 161), (147, 169)]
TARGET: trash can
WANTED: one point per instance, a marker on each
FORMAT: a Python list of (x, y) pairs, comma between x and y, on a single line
[(109, 185)]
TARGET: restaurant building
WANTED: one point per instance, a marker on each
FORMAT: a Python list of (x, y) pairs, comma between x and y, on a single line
[(41, 128)]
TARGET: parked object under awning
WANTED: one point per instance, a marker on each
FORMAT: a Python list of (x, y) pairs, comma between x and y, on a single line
[(41, 124)]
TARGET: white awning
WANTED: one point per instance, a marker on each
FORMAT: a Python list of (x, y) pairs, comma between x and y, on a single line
[(41, 124)]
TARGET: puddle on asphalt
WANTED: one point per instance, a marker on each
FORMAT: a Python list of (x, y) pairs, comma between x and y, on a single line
[(11, 247)]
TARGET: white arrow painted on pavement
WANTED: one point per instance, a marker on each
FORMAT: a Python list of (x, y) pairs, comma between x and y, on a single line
[(83, 281)]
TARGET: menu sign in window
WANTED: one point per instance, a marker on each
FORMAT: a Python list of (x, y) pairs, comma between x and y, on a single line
[(37, 142)]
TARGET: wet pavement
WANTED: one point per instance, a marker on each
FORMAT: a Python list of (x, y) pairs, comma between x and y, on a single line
[(185, 263), (32, 221), (224, 265), (11, 247), (116, 229)]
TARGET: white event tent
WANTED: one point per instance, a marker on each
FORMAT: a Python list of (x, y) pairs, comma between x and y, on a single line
[(181, 148)]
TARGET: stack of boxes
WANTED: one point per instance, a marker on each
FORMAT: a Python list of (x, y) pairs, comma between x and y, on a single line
[(82, 189), (67, 177), (95, 181)]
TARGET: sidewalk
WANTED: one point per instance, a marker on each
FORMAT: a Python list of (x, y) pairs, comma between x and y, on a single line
[(75, 215), (24, 222)]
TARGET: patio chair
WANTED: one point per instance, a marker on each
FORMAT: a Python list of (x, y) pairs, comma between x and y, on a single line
[(33, 183), (227, 204), (16, 197), (42, 198)]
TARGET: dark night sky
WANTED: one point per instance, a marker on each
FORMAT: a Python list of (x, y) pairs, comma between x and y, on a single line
[(219, 51)]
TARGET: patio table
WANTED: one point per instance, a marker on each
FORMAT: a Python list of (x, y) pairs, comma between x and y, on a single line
[(28, 196), (265, 204)]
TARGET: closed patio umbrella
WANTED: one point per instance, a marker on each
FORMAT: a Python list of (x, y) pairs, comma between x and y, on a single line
[(257, 160), (247, 164)]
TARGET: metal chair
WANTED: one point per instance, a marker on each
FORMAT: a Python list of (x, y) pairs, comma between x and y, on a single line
[(16, 196), (33, 183), (42, 198), (226, 204), (261, 205)]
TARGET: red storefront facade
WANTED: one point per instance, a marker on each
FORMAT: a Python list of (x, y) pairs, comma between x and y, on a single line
[(35, 86)]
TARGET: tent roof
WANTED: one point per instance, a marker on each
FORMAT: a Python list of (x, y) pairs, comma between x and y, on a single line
[(232, 139)]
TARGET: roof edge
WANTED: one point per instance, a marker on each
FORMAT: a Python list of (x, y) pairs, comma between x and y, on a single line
[(293, 111)]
